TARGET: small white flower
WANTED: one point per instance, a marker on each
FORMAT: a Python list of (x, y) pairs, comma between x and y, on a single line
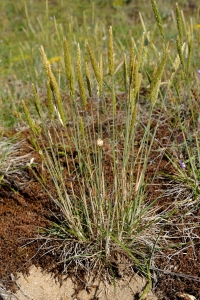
[(99, 142)]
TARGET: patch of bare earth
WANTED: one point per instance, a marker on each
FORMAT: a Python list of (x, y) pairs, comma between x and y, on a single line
[(39, 286)]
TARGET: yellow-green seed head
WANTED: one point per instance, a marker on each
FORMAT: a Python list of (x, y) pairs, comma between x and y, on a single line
[(80, 78), (158, 18), (179, 23), (155, 84), (125, 72), (101, 75), (44, 60), (68, 68), (56, 91), (94, 63), (50, 100), (110, 53), (132, 61), (88, 80), (140, 51), (180, 52), (35, 128)]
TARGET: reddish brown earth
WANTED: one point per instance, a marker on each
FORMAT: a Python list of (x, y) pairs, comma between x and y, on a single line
[(25, 206)]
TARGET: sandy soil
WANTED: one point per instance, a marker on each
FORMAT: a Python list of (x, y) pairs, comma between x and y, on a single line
[(42, 286)]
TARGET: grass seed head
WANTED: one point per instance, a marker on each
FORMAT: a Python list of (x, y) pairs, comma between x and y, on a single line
[(155, 84), (110, 53), (94, 63), (179, 23), (132, 61), (56, 91), (180, 52), (158, 18), (101, 75), (68, 68), (34, 127), (88, 80), (80, 78), (140, 50), (44, 60), (125, 72), (50, 99)]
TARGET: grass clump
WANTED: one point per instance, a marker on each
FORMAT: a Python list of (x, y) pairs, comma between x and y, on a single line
[(104, 205)]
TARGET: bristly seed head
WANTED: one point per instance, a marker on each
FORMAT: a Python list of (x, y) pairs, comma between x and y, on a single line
[(110, 52)]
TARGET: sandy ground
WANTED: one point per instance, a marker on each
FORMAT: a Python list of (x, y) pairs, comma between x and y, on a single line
[(42, 286)]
